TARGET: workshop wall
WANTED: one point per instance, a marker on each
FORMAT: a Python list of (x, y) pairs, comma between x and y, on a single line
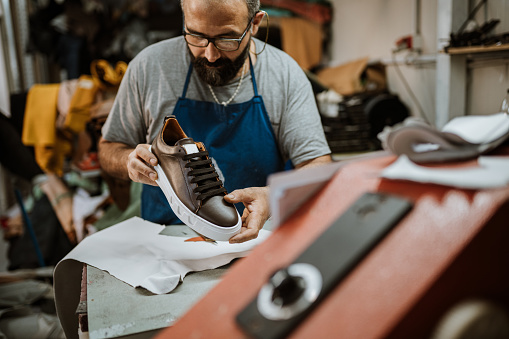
[(371, 28)]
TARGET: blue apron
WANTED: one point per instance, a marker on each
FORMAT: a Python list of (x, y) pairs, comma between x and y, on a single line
[(239, 138)]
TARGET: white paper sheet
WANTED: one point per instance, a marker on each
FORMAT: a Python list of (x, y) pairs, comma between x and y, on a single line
[(462, 138), (83, 206), (492, 172), (479, 129), (134, 252), (289, 190)]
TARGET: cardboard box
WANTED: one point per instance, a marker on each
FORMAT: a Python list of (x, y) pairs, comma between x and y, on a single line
[(358, 76)]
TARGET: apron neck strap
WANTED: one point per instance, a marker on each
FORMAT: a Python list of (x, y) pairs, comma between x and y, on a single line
[(188, 77), (251, 69)]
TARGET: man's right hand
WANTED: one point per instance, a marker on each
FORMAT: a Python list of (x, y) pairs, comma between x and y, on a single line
[(140, 164)]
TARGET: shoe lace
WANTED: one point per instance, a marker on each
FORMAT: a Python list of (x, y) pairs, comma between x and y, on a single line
[(204, 175)]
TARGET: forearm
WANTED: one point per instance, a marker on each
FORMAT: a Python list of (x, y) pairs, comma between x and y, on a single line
[(324, 159), (113, 157)]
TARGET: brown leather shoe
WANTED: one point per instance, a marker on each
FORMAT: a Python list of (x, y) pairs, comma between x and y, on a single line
[(191, 184)]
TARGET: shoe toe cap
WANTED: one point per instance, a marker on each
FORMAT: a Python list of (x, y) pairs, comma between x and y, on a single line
[(219, 212)]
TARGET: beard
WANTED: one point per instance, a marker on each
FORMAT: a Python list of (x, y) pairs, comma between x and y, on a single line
[(221, 71)]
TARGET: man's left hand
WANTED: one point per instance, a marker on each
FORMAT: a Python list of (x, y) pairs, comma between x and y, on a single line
[(256, 213)]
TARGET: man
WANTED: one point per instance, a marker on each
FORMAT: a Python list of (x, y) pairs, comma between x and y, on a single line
[(253, 111)]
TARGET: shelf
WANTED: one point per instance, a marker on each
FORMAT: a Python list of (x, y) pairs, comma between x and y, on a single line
[(477, 49)]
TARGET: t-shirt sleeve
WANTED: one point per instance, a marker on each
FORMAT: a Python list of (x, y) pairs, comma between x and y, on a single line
[(125, 122), (301, 132)]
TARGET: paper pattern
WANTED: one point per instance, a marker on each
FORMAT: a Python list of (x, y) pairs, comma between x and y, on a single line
[(492, 172), (134, 252)]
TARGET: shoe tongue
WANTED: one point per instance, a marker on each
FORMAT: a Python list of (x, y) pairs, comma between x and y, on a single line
[(188, 144)]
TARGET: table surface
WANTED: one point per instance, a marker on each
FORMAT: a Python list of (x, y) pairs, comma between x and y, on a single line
[(115, 308)]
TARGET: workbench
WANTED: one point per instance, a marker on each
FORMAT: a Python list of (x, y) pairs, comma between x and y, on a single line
[(92, 293), (115, 309)]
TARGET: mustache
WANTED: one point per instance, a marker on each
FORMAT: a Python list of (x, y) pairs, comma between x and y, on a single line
[(218, 63)]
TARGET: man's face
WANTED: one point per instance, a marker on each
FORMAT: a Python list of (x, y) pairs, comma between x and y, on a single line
[(221, 71), (217, 20)]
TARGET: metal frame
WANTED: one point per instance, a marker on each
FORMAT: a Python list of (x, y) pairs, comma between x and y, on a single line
[(9, 47)]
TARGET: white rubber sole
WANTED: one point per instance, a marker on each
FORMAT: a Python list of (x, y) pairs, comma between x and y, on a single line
[(197, 223)]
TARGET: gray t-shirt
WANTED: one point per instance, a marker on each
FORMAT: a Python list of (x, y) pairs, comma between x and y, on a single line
[(155, 80)]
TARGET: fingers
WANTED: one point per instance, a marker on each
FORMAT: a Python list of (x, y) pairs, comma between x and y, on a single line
[(255, 199), (245, 214), (234, 197), (250, 228), (140, 164), (245, 195), (244, 235), (248, 195)]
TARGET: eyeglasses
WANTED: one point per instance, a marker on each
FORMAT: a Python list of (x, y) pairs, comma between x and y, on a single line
[(223, 44)]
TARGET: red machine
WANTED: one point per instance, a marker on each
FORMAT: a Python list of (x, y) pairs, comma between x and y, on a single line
[(449, 247)]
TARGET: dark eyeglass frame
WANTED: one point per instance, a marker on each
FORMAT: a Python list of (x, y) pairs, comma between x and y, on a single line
[(213, 40)]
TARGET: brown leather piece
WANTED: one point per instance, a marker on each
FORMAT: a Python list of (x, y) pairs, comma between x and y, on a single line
[(170, 160), (221, 212), (172, 132)]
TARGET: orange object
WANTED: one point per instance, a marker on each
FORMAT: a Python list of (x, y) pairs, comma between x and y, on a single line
[(196, 239), (39, 128), (83, 98), (450, 246), (202, 238)]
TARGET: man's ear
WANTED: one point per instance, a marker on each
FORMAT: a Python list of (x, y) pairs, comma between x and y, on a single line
[(257, 20)]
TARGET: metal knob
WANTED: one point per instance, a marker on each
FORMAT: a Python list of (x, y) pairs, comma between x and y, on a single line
[(289, 291)]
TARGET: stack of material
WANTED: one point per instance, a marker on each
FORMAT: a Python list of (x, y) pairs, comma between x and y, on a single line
[(350, 130), (359, 119), (361, 108)]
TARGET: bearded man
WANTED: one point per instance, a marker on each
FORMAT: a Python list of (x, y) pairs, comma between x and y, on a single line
[(248, 102)]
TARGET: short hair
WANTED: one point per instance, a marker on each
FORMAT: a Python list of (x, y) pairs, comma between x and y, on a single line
[(253, 6)]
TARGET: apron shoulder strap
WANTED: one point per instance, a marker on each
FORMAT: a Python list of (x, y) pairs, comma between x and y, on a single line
[(188, 78), (255, 88)]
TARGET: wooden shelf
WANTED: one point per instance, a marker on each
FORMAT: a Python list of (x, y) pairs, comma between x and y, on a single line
[(477, 49)]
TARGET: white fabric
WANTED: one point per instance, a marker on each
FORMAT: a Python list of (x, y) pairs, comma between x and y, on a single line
[(83, 206), (479, 129), (492, 172), (134, 252), (462, 138)]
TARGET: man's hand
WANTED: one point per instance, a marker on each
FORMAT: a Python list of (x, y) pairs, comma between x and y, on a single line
[(140, 164), (127, 163), (257, 211)]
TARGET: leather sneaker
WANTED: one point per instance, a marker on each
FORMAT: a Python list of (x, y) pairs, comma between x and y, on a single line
[(191, 184)]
